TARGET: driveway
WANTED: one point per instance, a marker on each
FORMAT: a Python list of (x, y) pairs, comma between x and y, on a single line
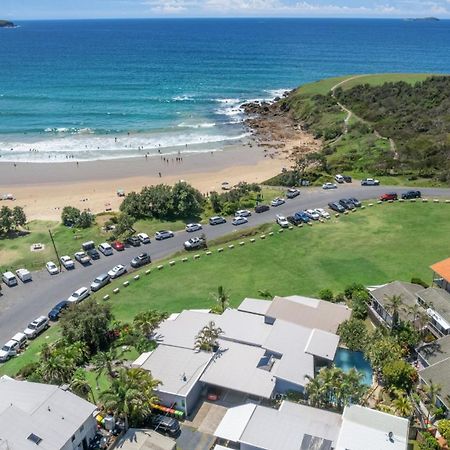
[(192, 439)]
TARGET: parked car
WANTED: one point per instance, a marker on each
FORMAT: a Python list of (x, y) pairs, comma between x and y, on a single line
[(79, 295), (335, 206), (56, 311), (312, 214), (52, 268), (67, 262), (292, 193), (295, 221), (261, 208), (117, 271), (347, 178), (322, 213), (277, 201), (140, 260), (89, 245), (191, 227), (370, 182), (216, 220), (24, 275), (347, 204), (282, 221), (21, 339), (144, 238), (106, 249), (36, 327), (164, 234), (93, 254), (301, 215), (355, 201), (329, 186), (82, 258), (389, 196), (243, 213), (118, 245), (195, 243), (165, 425), (100, 281), (339, 178), (9, 350), (133, 241), (411, 194), (9, 279), (239, 221)]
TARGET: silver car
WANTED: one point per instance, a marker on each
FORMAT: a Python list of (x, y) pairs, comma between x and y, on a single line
[(101, 281)]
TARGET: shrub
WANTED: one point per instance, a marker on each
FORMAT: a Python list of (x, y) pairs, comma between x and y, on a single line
[(354, 334), (29, 369), (326, 294), (349, 290), (419, 281), (429, 442), (444, 428), (340, 297), (399, 374)]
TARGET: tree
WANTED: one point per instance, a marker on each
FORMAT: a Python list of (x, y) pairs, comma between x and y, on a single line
[(222, 300), (326, 294), (359, 301), (394, 305), (80, 385), (19, 217), (444, 428), (124, 225), (354, 334), (382, 350), (148, 321), (187, 201), (402, 404), (206, 339), (104, 361), (399, 374), (130, 396), (85, 220), (87, 322), (428, 442), (6, 220), (432, 391), (70, 216)]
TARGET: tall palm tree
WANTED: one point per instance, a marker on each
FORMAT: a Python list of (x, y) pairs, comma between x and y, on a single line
[(394, 305), (104, 361), (402, 405), (432, 390), (222, 299), (314, 391), (206, 339), (148, 321), (81, 386), (57, 369)]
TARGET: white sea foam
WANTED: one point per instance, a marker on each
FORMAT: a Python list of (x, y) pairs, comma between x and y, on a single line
[(229, 101), (183, 98), (274, 93), (197, 125)]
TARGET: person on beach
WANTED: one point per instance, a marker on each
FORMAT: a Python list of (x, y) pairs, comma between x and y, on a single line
[(159, 174)]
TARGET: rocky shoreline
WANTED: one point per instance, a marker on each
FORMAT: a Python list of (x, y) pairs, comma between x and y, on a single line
[(7, 24)]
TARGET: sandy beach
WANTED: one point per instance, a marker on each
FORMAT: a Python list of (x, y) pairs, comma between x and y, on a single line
[(43, 189)]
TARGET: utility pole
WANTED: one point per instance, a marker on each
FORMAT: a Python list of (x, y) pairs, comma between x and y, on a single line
[(56, 251)]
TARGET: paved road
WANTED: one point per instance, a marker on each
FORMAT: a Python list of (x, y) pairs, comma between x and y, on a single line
[(22, 304)]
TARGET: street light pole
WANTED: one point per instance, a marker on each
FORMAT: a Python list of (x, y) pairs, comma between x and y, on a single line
[(56, 251)]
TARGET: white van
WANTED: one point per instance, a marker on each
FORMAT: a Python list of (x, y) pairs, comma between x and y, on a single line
[(9, 279), (339, 178), (8, 350), (21, 339), (24, 275), (106, 249)]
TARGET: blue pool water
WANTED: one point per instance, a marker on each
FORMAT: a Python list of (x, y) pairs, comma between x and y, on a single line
[(347, 359)]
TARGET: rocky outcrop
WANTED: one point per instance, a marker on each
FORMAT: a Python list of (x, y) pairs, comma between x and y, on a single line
[(6, 24)]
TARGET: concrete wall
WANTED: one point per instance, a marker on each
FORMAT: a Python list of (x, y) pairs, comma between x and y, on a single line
[(193, 397), (86, 431)]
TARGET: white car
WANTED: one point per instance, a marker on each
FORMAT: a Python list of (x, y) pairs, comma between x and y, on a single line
[(282, 221), (117, 271), (164, 234), (313, 214), (322, 213), (67, 262), (79, 295), (8, 350), (329, 186), (52, 268), (370, 182), (242, 213), (277, 201), (144, 238), (36, 327), (339, 178), (190, 227), (239, 221)]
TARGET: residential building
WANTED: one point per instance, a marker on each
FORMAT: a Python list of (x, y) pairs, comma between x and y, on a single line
[(294, 426), (441, 274), (35, 415), (436, 301)]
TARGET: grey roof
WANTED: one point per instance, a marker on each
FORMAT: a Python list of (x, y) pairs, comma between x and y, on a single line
[(309, 312), (436, 351), (45, 410), (368, 429), (438, 300), (142, 439), (288, 428), (322, 344), (254, 306), (238, 367), (177, 368)]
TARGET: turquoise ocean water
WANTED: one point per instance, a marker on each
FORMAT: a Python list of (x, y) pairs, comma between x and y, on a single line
[(114, 88)]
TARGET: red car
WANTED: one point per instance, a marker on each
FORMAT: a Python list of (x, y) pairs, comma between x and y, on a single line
[(117, 245), (389, 196)]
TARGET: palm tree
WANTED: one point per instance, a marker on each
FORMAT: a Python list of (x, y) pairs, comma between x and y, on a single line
[(81, 386), (393, 305), (314, 391), (222, 299), (148, 321), (206, 339), (57, 369), (103, 361), (402, 406), (432, 391)]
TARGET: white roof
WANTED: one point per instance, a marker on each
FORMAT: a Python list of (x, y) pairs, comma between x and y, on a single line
[(177, 368), (235, 366), (369, 429), (140, 360), (322, 344), (234, 422), (45, 410), (255, 306)]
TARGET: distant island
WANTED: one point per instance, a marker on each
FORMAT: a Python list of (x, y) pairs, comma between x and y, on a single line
[(421, 19), (7, 24)]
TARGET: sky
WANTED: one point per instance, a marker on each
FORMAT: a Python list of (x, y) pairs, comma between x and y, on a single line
[(85, 9)]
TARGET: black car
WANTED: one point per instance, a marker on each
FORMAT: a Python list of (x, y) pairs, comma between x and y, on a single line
[(294, 220), (166, 425), (335, 206), (355, 201), (93, 254), (134, 241), (57, 310), (346, 203), (261, 208), (140, 260), (347, 178), (411, 194)]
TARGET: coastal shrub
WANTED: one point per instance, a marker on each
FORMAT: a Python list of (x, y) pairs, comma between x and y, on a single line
[(444, 428), (349, 290), (359, 302), (326, 294), (340, 297), (11, 219), (73, 217)]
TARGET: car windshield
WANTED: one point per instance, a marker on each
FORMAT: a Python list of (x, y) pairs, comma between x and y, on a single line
[(5, 348), (32, 326), (75, 294)]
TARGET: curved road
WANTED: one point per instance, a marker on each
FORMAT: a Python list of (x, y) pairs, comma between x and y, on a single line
[(22, 304)]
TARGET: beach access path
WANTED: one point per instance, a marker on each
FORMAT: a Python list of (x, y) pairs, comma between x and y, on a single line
[(23, 303)]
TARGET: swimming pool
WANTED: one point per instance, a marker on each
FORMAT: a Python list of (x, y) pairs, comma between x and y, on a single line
[(347, 359)]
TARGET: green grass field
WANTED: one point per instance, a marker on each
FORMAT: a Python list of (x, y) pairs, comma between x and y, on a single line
[(372, 246)]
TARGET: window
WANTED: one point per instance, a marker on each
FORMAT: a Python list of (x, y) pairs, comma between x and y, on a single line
[(34, 438)]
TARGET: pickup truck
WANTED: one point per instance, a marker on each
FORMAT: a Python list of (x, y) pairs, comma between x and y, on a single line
[(370, 182), (195, 243), (82, 258)]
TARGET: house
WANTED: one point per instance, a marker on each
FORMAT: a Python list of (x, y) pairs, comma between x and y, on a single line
[(380, 294), (142, 439), (35, 415), (441, 274), (258, 356), (294, 426), (436, 301)]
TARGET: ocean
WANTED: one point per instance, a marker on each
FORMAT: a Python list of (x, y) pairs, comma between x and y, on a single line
[(103, 89)]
